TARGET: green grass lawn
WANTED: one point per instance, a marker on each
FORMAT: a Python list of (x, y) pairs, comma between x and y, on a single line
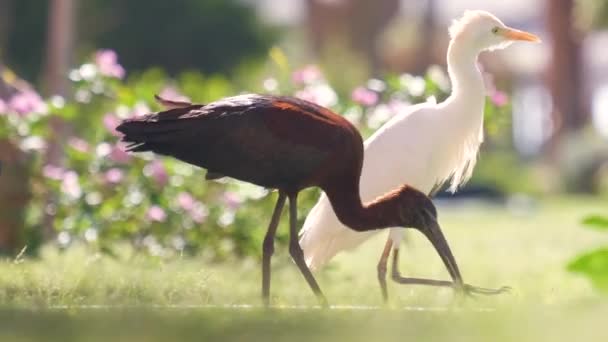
[(81, 296)]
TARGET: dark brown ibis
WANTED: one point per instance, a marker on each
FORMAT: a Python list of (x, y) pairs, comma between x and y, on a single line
[(287, 144)]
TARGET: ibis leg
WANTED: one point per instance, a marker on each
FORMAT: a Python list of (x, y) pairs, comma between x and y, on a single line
[(433, 232), (268, 248), (396, 276), (296, 251), (382, 268)]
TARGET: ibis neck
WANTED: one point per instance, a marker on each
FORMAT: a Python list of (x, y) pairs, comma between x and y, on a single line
[(347, 204), (466, 78)]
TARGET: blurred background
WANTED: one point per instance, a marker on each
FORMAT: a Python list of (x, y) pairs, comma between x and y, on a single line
[(71, 69)]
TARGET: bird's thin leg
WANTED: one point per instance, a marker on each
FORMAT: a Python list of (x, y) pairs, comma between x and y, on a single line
[(382, 268), (296, 251), (268, 247), (433, 232), (396, 276)]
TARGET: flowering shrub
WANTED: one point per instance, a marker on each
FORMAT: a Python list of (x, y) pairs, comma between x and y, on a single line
[(21, 114), (162, 206)]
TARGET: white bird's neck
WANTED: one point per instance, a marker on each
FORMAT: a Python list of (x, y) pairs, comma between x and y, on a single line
[(463, 114), (468, 89)]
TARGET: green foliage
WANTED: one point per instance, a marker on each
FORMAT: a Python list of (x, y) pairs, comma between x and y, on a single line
[(593, 264), (596, 222), (212, 35), (500, 168)]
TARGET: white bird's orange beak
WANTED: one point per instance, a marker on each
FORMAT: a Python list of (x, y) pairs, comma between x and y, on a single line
[(514, 34)]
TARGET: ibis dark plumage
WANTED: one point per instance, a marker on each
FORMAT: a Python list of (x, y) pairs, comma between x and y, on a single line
[(286, 144)]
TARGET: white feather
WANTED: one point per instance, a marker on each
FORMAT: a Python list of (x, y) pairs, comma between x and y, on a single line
[(469, 21)]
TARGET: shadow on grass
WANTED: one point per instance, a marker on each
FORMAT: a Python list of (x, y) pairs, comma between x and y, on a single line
[(213, 324), (287, 324)]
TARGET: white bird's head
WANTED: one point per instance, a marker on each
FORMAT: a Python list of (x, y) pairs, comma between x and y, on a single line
[(481, 31)]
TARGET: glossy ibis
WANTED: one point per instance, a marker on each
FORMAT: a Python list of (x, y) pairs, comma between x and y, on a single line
[(426, 145), (287, 144)]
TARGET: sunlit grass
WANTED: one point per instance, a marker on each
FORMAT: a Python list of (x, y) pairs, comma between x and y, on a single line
[(137, 298)]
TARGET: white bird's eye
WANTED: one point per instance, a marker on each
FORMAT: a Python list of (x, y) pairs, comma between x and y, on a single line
[(495, 30)]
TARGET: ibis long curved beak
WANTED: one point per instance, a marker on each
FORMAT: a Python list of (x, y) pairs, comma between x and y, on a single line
[(514, 34)]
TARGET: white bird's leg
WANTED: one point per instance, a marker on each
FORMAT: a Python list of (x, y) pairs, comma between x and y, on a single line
[(268, 248), (296, 251), (382, 268)]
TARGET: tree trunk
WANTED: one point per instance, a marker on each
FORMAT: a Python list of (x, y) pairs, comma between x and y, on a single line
[(355, 23), (565, 74), (59, 49), (14, 197), (5, 24), (369, 20), (59, 53), (14, 186), (327, 23), (424, 57)]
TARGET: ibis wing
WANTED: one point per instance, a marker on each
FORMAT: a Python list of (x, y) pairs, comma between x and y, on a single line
[(243, 138)]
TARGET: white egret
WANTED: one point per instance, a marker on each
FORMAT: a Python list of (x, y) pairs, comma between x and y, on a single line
[(425, 146)]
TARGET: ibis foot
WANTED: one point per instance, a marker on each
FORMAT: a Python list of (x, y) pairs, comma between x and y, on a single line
[(470, 289)]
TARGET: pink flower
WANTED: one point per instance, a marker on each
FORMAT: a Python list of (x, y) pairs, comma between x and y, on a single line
[(3, 107), (232, 200), (71, 185), (78, 144), (141, 109), (171, 93), (118, 154), (306, 95), (156, 213), (33, 143), (379, 115), (364, 96), (306, 75), (499, 98), (52, 172), (199, 213), (185, 201), (110, 122), (157, 171), (27, 101), (114, 176), (107, 63), (321, 94)]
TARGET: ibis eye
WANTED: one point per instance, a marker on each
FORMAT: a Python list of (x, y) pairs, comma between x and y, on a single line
[(495, 30)]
